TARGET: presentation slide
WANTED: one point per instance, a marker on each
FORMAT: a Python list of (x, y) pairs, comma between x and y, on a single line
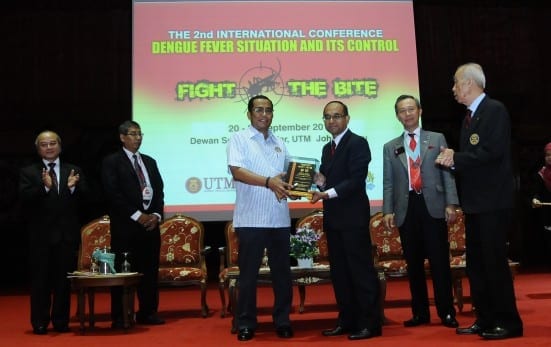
[(197, 63)]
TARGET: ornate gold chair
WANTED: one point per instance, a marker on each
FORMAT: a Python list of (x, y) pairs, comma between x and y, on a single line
[(228, 265), (95, 234), (456, 238), (315, 220), (182, 256), (388, 256)]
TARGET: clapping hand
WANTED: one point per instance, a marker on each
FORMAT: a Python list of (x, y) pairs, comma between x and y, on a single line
[(73, 179)]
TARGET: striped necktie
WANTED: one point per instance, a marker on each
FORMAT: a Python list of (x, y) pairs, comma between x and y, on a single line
[(53, 176)]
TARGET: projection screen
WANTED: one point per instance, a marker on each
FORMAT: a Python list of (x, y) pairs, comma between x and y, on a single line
[(196, 64)]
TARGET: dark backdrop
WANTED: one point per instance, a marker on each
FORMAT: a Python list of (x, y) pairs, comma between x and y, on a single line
[(66, 66)]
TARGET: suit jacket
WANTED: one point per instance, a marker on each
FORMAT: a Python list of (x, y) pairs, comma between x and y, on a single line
[(438, 183), (346, 172), (483, 163), (53, 217), (122, 189)]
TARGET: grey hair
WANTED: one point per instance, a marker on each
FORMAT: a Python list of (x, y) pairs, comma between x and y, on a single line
[(474, 71)]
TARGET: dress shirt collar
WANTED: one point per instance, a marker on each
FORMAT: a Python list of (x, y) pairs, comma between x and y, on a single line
[(475, 103), (339, 137)]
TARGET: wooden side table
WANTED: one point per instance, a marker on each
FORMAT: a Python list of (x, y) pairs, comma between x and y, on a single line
[(85, 283)]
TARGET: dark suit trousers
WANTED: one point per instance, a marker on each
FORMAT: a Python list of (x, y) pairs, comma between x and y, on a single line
[(252, 242), (144, 247), (424, 237), (354, 278), (50, 288), (490, 278)]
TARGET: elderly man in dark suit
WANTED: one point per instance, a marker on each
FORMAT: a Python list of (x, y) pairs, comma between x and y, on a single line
[(134, 188), (346, 213), (51, 191), (483, 166), (419, 197)]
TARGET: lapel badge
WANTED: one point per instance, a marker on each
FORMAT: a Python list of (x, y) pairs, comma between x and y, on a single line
[(474, 139)]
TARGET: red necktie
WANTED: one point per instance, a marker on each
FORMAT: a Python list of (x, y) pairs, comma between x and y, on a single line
[(333, 148), (139, 172), (468, 119), (53, 176), (414, 168), (412, 143)]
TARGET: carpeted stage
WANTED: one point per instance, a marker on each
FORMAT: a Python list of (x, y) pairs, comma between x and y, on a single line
[(185, 327)]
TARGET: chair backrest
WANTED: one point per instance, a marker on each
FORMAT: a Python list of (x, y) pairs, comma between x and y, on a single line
[(387, 243), (456, 238), (232, 245), (182, 240), (315, 220), (96, 234)]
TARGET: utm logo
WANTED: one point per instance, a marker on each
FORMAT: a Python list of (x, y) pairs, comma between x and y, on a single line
[(193, 185)]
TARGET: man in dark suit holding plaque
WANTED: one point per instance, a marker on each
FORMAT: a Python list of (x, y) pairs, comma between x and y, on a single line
[(346, 213), (134, 188), (419, 197)]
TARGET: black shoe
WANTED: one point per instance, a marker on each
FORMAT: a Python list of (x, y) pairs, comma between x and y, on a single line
[(40, 330), (416, 321), (117, 324), (284, 332), (150, 320), (245, 334), (365, 333), (62, 329), (338, 330), (499, 333), (472, 330), (450, 321)]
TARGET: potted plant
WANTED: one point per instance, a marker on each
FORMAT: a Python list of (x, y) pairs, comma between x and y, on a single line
[(304, 245)]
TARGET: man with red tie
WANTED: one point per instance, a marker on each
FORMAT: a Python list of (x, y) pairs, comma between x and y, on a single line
[(419, 197), (346, 212)]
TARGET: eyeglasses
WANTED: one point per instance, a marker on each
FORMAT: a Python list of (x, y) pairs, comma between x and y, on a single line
[(336, 116), (135, 134), (263, 110)]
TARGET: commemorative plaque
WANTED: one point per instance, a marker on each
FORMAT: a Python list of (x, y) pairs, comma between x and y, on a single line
[(300, 174)]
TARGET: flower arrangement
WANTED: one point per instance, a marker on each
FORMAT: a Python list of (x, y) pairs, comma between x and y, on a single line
[(304, 243)]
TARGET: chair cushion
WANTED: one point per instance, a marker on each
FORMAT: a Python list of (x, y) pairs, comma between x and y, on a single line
[(181, 274), (388, 242)]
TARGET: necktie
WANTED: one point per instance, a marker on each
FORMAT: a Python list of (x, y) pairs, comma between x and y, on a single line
[(53, 176), (333, 148), (139, 172), (468, 119), (414, 168), (412, 143)]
